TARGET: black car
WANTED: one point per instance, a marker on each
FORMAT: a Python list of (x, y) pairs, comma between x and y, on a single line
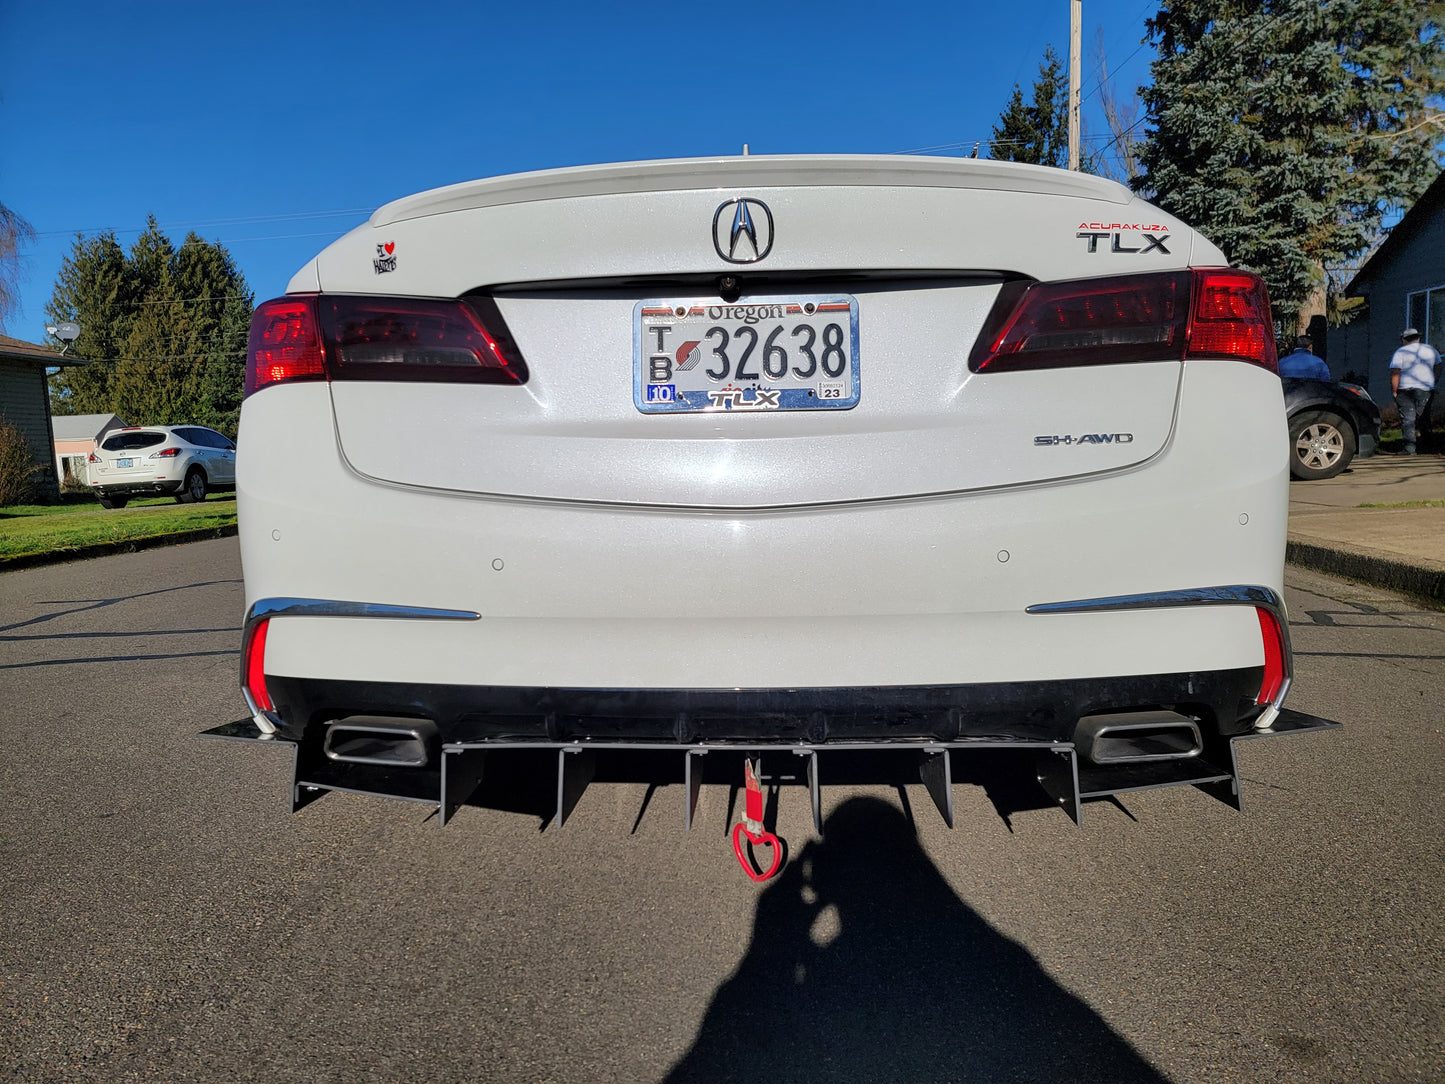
[(1329, 424)]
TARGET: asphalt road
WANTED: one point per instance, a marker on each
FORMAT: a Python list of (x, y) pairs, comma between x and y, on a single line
[(162, 917)]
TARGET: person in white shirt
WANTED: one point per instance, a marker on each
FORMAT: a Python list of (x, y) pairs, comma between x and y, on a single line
[(1412, 379)]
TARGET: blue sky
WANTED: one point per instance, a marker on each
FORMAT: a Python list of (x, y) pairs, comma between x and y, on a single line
[(275, 128)]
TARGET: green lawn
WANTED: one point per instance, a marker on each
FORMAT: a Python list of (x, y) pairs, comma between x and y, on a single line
[(1406, 504), (78, 502), (27, 529)]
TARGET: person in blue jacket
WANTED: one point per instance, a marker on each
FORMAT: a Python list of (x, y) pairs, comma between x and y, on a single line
[(1303, 363)]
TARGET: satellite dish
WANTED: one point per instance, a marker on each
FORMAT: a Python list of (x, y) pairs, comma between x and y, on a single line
[(67, 331)]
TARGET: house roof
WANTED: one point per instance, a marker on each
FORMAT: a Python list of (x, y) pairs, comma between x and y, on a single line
[(83, 426), (1414, 221), (18, 348)]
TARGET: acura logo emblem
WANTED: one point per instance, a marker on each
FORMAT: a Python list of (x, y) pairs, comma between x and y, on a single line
[(742, 230)]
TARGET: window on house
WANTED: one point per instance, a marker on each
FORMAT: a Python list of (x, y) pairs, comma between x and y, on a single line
[(1425, 311)]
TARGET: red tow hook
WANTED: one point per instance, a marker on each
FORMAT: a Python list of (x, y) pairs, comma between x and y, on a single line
[(751, 826)]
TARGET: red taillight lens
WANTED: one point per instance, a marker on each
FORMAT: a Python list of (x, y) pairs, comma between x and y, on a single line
[(401, 338), (1166, 316), (1232, 318), (255, 666), (93, 458), (1091, 322), (166, 453), (346, 337), (284, 344), (1274, 656)]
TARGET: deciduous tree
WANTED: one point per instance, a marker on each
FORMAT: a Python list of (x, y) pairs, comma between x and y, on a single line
[(14, 231)]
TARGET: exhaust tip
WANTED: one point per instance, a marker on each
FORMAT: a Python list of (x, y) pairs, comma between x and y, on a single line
[(1136, 737), (381, 740)]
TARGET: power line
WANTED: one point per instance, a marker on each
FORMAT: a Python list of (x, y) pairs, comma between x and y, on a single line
[(1269, 23), (968, 143), (1148, 5), (273, 237), (287, 216), (212, 354)]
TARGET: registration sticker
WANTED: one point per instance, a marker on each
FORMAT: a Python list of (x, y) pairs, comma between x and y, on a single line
[(764, 354)]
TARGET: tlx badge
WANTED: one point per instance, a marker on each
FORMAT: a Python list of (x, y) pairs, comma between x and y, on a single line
[(385, 258), (1152, 236)]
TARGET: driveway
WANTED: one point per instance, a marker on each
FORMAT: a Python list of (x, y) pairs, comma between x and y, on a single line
[(166, 919)]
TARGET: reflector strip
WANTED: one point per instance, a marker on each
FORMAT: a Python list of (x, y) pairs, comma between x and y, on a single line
[(1274, 656), (255, 649)]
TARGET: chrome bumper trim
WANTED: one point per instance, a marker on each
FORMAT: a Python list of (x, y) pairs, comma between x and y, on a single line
[(325, 607), (1253, 595), (264, 608)]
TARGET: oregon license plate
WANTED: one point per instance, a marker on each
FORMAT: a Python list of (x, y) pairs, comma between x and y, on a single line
[(766, 353), (124, 462)]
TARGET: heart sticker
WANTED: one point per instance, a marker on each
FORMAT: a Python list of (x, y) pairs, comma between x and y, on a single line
[(389, 246)]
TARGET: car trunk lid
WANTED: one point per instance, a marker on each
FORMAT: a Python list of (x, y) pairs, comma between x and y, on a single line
[(920, 250)]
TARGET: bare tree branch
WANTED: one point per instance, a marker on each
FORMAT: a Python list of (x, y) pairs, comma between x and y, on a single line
[(1121, 116), (14, 232)]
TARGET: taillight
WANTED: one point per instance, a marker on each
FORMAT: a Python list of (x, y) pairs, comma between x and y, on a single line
[(1274, 656), (284, 344), (1231, 318), (1093, 322), (1165, 316), (93, 458), (405, 338), (254, 650), (351, 337), (166, 453)]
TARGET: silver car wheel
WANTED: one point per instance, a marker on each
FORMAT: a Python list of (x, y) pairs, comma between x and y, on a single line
[(1320, 446), (194, 490)]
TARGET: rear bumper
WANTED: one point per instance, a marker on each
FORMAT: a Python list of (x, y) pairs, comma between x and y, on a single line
[(155, 487), (428, 741), (1222, 701)]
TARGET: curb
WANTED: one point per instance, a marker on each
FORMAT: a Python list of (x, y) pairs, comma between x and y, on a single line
[(103, 549), (1421, 578)]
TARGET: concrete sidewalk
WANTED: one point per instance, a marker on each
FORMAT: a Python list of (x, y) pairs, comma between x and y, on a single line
[(1402, 549)]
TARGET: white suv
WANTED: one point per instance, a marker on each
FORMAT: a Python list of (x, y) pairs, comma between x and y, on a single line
[(818, 456), (184, 461)]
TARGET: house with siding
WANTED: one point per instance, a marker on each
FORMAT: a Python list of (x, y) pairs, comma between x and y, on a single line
[(25, 403), (76, 436), (1404, 286)]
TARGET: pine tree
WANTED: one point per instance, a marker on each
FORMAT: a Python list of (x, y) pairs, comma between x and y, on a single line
[(1285, 129), (1036, 133), (165, 328), (91, 288), (214, 327)]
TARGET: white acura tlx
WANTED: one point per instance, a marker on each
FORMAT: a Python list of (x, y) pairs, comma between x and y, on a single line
[(814, 457)]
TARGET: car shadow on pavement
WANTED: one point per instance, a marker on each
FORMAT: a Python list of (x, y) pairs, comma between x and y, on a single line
[(865, 965), (81, 605)]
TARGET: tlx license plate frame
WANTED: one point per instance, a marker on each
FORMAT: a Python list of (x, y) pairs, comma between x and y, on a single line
[(695, 355)]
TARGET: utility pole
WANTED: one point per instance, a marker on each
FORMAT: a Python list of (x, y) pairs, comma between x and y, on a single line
[(1076, 27)]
